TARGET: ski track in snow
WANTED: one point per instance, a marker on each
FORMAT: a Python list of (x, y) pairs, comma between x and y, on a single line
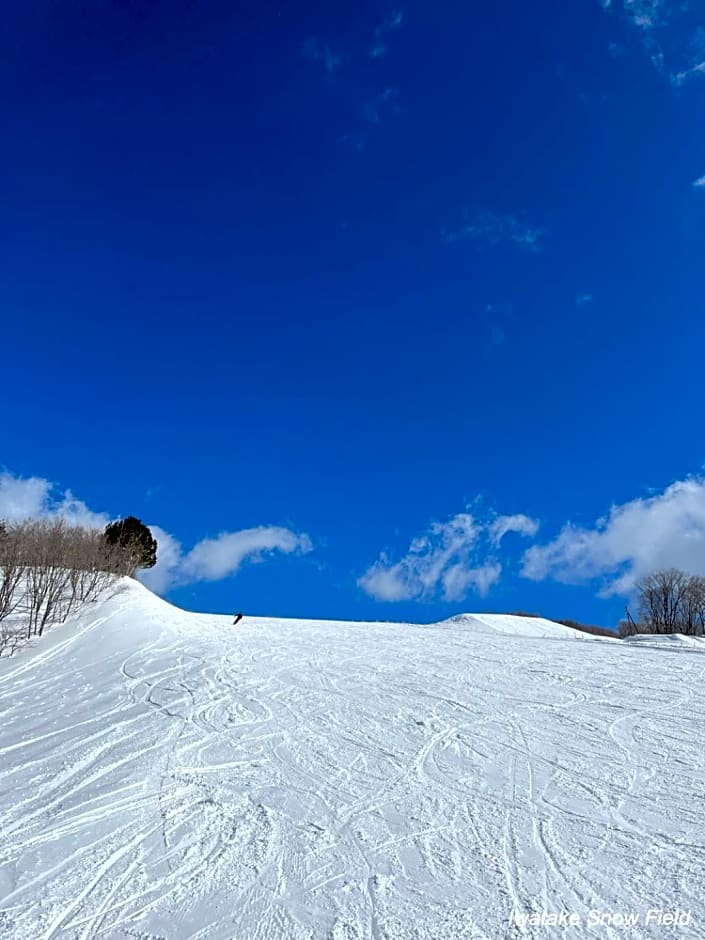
[(165, 775)]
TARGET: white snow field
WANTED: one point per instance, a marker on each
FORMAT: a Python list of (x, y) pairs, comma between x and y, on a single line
[(165, 775)]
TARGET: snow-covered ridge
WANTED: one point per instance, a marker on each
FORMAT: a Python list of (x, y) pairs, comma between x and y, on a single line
[(517, 626), (167, 774)]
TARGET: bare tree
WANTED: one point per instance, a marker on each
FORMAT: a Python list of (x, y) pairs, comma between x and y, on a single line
[(47, 580), (662, 599), (11, 571), (695, 607), (671, 601), (93, 565), (11, 640), (48, 568)]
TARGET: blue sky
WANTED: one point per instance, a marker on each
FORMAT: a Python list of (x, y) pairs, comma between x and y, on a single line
[(376, 311)]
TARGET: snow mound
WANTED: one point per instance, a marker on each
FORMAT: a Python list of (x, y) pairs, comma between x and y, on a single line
[(515, 625)]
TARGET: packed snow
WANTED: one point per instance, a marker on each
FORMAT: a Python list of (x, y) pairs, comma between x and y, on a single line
[(516, 625), (166, 775), (669, 641)]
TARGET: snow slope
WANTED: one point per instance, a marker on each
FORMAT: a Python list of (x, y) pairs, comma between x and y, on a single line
[(668, 641), (165, 776), (515, 625)]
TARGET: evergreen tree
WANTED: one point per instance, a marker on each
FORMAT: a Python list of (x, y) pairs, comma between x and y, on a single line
[(133, 537)]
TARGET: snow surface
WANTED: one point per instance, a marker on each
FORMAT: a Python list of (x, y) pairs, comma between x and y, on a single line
[(165, 775), (515, 625), (668, 641)]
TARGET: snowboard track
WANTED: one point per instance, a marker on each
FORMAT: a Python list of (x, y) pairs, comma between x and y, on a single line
[(169, 775)]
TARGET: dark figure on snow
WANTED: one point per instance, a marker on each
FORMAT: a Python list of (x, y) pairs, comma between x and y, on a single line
[(238, 618)]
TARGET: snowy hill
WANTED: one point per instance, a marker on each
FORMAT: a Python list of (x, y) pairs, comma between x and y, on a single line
[(515, 625), (168, 775)]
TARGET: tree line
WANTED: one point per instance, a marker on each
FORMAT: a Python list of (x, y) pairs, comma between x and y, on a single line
[(48, 568), (668, 601)]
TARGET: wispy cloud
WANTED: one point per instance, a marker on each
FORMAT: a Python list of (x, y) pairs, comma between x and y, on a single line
[(699, 183), (493, 229), (691, 72), (646, 14), (671, 34), (211, 559), (389, 25), (214, 559), (36, 498), (583, 298), (318, 50), (694, 59), (373, 110), (386, 102), (518, 523), (664, 530), (451, 558)]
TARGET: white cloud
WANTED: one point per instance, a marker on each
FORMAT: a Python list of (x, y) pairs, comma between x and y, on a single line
[(445, 559), (211, 559), (493, 228), (680, 78), (458, 580), (699, 183), (388, 582), (34, 498), (665, 530), (583, 299), (214, 559), (519, 523), (693, 60), (22, 498), (645, 14)]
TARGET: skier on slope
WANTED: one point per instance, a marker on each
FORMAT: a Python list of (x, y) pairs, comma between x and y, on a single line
[(238, 618)]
